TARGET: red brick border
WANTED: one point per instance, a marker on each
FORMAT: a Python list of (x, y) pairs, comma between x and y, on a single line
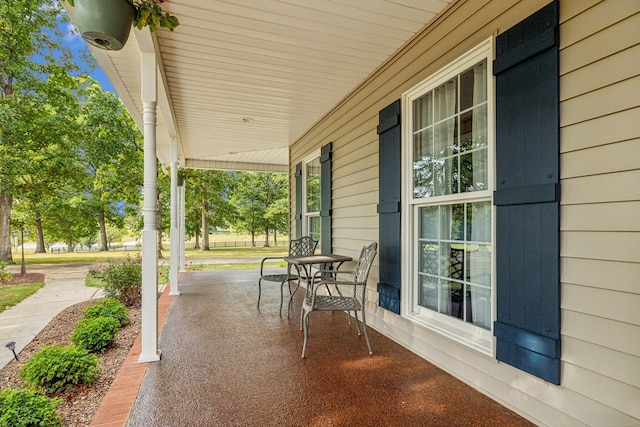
[(117, 403)]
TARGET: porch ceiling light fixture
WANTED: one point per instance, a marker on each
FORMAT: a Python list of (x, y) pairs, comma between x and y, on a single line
[(11, 345)]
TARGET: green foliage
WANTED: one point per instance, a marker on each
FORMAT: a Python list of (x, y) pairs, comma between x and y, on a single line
[(123, 280), (28, 408), (95, 334), (58, 368), (108, 308), (4, 275), (150, 12)]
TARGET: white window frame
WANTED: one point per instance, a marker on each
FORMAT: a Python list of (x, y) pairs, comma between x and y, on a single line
[(465, 333), (306, 215)]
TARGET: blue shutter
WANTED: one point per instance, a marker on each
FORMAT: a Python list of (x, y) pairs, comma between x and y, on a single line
[(389, 176), (298, 213), (527, 196), (325, 198)]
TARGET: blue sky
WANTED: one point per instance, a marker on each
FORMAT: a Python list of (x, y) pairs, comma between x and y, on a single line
[(74, 41)]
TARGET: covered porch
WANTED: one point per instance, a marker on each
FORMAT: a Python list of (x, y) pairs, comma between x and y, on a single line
[(226, 362)]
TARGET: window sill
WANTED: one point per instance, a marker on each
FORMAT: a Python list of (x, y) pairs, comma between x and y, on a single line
[(470, 336)]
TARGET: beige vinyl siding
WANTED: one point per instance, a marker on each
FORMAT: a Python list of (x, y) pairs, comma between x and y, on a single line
[(600, 238), (600, 179)]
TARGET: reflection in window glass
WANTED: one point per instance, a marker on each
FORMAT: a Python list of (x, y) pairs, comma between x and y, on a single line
[(450, 136), (454, 263), (313, 185)]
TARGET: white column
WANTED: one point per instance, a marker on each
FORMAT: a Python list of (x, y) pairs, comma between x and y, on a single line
[(181, 209), (149, 327), (175, 231)]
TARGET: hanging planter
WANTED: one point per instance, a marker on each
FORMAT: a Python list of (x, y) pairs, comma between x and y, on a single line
[(105, 23)]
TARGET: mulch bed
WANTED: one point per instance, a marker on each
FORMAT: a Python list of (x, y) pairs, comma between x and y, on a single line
[(24, 278)]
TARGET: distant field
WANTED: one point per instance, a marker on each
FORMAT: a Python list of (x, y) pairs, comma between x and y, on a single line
[(223, 246)]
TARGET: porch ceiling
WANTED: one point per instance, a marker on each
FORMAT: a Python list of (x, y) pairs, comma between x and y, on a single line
[(239, 82)]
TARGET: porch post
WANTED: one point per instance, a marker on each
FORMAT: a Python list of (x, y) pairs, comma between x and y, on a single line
[(175, 231), (149, 327), (181, 210)]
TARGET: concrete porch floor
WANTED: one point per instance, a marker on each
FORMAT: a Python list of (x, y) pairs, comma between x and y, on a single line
[(227, 363)]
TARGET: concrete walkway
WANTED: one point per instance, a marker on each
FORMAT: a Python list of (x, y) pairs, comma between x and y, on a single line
[(64, 286)]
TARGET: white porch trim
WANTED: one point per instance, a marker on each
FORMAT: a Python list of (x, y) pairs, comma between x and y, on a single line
[(149, 328)]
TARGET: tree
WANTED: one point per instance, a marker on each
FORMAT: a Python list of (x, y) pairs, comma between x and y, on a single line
[(259, 198), (209, 194), (30, 56), (110, 150)]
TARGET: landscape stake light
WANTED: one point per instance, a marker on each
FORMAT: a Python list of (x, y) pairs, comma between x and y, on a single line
[(11, 345)]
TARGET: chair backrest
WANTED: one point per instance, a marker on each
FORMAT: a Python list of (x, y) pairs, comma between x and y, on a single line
[(303, 246), (365, 261)]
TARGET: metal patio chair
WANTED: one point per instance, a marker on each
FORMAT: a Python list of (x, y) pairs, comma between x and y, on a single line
[(350, 293), (299, 247)]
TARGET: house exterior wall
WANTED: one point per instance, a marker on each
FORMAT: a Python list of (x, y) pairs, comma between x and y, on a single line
[(600, 201)]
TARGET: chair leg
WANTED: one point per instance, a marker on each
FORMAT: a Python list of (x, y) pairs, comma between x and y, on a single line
[(366, 335), (355, 314), (259, 291), (282, 295), (305, 321)]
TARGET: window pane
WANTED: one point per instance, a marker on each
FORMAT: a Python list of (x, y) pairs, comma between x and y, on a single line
[(450, 155), (428, 292), (429, 220), (429, 258), (423, 164), (444, 138), (314, 228), (452, 222), (479, 264), (444, 100), (473, 86), (313, 185), (480, 310), (423, 111), (454, 260), (479, 222)]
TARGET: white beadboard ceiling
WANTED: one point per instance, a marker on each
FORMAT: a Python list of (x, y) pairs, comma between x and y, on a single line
[(240, 81)]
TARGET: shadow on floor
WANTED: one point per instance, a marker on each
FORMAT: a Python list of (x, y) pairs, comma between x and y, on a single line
[(227, 363)]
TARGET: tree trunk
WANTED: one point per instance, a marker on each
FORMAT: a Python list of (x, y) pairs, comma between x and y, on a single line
[(69, 244), (266, 237), (40, 247), (6, 204), (275, 239), (253, 239), (196, 244), (205, 229), (104, 245)]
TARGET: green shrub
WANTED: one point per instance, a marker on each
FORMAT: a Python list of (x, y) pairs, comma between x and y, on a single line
[(109, 307), (57, 368), (26, 408), (123, 280), (4, 275), (95, 335)]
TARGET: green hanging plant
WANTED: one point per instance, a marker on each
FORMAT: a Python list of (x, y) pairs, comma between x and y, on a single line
[(149, 13)]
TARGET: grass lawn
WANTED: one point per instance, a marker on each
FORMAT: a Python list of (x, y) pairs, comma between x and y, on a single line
[(196, 260), (11, 295), (230, 253)]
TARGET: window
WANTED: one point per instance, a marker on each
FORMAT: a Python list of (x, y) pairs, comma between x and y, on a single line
[(449, 214), (311, 226)]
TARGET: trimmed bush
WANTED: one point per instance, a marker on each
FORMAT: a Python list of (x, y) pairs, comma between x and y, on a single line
[(109, 307), (95, 335), (57, 368), (122, 280), (27, 408)]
